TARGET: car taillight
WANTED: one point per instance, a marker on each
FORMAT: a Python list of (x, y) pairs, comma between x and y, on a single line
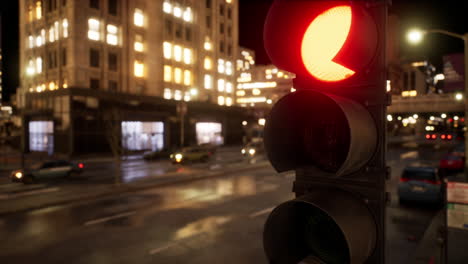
[(432, 182), (428, 136), (404, 179), (434, 136), (442, 136), (81, 165), (449, 137)]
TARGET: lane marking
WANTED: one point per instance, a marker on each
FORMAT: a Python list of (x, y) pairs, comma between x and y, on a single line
[(28, 193), (108, 218), (160, 249), (409, 155), (261, 212)]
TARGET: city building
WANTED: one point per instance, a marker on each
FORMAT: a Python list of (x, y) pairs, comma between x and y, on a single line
[(262, 85), (165, 66)]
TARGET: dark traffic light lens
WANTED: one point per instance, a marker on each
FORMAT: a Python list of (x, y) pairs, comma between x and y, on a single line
[(323, 237)]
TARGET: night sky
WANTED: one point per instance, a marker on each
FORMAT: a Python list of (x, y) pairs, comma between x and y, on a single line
[(448, 14)]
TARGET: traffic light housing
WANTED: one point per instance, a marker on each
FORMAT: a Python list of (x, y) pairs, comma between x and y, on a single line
[(331, 131)]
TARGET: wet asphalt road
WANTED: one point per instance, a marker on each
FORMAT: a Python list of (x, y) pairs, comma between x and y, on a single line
[(216, 220)]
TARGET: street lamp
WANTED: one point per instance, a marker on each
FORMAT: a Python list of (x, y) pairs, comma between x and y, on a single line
[(415, 36)]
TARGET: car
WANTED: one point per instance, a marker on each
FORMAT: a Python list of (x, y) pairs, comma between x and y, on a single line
[(191, 154), (420, 184), (46, 171), (452, 162), (157, 155), (252, 149)]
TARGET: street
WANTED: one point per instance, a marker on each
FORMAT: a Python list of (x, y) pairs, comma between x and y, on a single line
[(212, 220)]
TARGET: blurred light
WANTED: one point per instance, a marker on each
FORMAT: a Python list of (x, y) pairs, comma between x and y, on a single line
[(443, 115), (251, 151), (419, 64), (399, 118), (243, 151), (415, 36), (432, 118), (293, 90), (389, 118), (269, 101), (415, 116), (244, 123), (389, 86), (138, 18), (455, 118), (19, 175), (459, 96), (434, 136), (262, 121), (428, 136), (439, 77), (178, 157), (81, 165)]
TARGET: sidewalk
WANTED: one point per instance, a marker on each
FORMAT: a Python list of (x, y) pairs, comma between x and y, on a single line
[(71, 194)]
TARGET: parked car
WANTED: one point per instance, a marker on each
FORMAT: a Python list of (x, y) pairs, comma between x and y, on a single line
[(46, 171), (157, 155), (420, 184), (191, 154), (252, 149), (452, 162)]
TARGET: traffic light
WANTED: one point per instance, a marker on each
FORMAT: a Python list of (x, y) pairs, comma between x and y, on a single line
[(330, 131)]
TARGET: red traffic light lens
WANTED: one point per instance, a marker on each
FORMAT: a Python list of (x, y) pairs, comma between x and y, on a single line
[(322, 41)]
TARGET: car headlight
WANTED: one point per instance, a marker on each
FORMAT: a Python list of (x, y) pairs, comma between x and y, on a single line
[(252, 151), (243, 151), (18, 174), (178, 157)]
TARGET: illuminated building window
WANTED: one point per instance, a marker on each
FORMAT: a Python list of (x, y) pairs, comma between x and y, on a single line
[(31, 42), (177, 95), (139, 69), (228, 101), (31, 70), (208, 81), (187, 96), (256, 92), (240, 93), (39, 65), (229, 68), (51, 34), (177, 11), (167, 73), (52, 86), (208, 63), (187, 56), (30, 14), (56, 30), (38, 9), (93, 29), (167, 8), (240, 65), (167, 50), (178, 75), (188, 14), (112, 35), (65, 28), (221, 84), (138, 45), (221, 67), (187, 77), (221, 100), (167, 93), (194, 91), (229, 87), (280, 74), (207, 45), (138, 18), (177, 53), (269, 76)]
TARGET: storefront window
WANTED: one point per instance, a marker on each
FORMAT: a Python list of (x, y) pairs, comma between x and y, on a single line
[(209, 133), (41, 136), (138, 135)]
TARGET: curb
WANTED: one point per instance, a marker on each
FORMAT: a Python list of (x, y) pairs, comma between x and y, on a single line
[(124, 189)]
